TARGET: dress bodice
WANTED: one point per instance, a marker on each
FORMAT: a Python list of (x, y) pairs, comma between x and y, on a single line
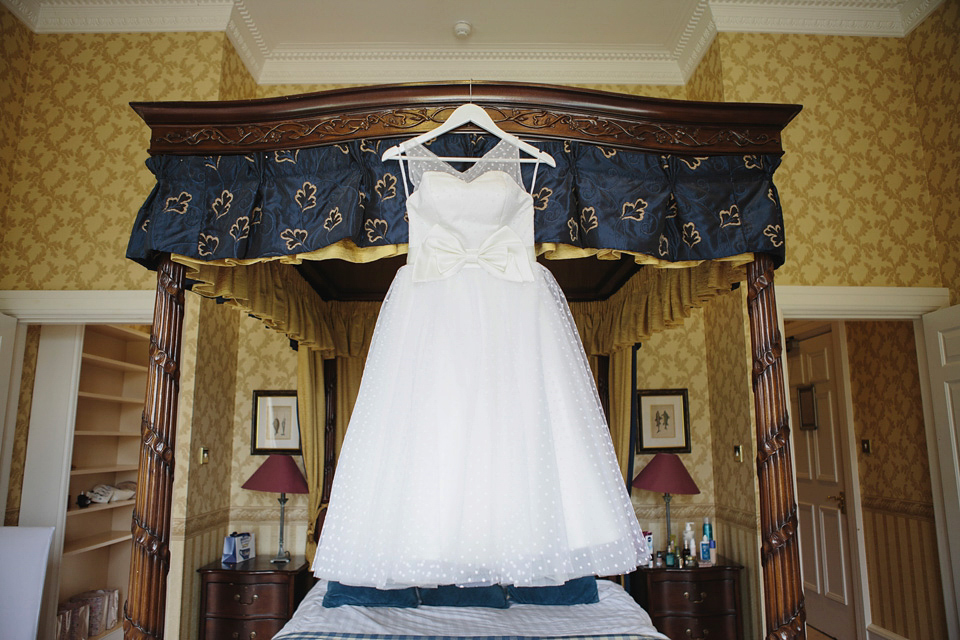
[(470, 210), (478, 208)]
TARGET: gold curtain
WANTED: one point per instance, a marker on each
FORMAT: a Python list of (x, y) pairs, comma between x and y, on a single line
[(651, 301), (621, 398), (312, 407)]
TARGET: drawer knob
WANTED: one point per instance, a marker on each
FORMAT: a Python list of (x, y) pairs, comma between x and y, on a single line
[(703, 596), (706, 632), (253, 635), (236, 597)]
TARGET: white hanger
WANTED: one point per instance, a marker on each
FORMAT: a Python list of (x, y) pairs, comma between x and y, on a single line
[(466, 114)]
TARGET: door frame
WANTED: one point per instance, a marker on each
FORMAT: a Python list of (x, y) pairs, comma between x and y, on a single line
[(59, 307), (879, 303)]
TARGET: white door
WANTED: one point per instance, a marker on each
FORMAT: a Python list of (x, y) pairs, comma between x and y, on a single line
[(821, 491), (941, 331)]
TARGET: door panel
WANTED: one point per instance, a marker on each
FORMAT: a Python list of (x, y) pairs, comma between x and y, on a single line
[(808, 546), (834, 558)]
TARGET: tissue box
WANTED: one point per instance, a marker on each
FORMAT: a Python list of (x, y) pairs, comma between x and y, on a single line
[(238, 547)]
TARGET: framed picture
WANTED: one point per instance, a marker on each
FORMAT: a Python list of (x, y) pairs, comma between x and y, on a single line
[(663, 421), (276, 424)]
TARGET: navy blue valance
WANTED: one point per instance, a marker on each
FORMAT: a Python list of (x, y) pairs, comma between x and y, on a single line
[(663, 208)]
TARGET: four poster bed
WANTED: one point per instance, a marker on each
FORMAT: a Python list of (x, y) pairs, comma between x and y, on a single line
[(284, 208)]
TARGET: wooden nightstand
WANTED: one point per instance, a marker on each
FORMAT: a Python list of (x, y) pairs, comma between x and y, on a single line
[(251, 599), (692, 603)]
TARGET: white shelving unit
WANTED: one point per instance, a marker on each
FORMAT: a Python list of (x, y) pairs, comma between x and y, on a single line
[(87, 422)]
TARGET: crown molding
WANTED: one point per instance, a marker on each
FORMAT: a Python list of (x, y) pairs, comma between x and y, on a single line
[(882, 18), (695, 40)]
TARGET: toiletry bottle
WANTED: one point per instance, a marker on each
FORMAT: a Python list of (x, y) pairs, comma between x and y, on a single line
[(705, 560), (707, 528), (671, 558), (713, 551), (658, 563)]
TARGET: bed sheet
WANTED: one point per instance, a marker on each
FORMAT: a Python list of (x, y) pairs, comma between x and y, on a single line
[(615, 617)]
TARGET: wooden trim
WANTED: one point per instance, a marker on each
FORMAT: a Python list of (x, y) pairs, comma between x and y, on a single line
[(859, 303), (539, 111), (78, 306), (780, 550), (143, 613)]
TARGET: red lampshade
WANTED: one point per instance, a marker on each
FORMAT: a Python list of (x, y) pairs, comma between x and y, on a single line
[(278, 474), (665, 474)]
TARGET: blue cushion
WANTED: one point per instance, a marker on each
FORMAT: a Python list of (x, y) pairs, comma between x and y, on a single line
[(342, 594), (491, 597), (576, 591)]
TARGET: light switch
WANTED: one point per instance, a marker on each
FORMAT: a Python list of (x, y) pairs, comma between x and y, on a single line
[(204, 455), (738, 453), (866, 446)]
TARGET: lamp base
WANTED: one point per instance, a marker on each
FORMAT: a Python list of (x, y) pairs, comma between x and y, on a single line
[(282, 557)]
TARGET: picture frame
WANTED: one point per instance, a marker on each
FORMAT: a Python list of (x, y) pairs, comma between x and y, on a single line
[(275, 424), (663, 421)]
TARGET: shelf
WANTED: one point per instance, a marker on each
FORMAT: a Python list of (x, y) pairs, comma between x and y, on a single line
[(97, 541), (107, 433), (74, 511), (113, 469), (120, 331), (116, 365), (109, 398)]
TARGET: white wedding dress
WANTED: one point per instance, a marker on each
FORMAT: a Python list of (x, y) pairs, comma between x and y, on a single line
[(477, 452)]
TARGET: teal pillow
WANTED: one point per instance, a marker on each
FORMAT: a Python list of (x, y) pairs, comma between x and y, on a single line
[(491, 597), (338, 595), (576, 591)]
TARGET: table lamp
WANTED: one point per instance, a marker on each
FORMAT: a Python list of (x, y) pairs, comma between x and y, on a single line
[(666, 474), (278, 474)]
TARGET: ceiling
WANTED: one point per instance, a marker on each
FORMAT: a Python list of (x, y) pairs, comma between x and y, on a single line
[(551, 41)]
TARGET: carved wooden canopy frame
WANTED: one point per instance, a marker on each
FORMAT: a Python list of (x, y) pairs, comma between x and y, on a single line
[(534, 111)]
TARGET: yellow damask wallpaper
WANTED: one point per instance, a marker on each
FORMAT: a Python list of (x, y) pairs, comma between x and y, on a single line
[(213, 408), (14, 69), (934, 51), (885, 390), (706, 83), (78, 176), (852, 183)]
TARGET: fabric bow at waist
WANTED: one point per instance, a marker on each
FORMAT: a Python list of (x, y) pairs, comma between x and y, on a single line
[(441, 254)]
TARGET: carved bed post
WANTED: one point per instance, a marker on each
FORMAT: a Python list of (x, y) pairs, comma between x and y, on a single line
[(143, 613), (780, 552)]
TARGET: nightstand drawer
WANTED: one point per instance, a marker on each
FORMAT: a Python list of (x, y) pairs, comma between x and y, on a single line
[(703, 597), (239, 599), (695, 628), (227, 629)]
